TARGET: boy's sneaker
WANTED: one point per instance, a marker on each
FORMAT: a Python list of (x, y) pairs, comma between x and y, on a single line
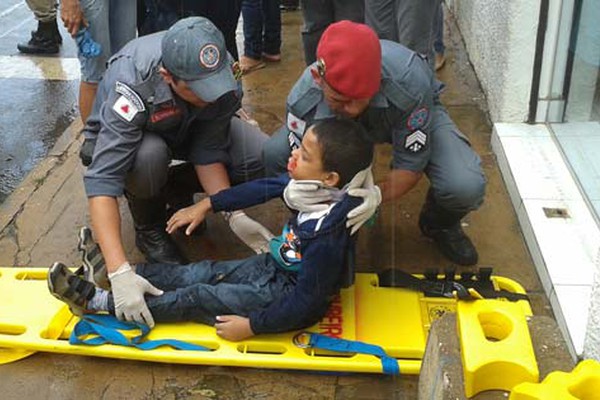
[(93, 267), (70, 288)]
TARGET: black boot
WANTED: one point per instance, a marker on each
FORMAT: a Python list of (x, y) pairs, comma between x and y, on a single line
[(45, 40), (149, 216), (444, 228)]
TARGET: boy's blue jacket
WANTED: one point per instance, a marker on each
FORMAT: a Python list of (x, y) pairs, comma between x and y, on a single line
[(326, 248)]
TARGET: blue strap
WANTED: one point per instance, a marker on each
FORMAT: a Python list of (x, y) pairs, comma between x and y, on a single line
[(389, 364), (105, 329)]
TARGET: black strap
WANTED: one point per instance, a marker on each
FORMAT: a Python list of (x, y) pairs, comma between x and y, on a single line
[(446, 286)]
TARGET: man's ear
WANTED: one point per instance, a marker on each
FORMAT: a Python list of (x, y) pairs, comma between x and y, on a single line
[(332, 179), (317, 78), (166, 75)]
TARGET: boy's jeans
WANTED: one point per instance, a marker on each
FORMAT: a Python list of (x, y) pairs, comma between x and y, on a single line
[(201, 291)]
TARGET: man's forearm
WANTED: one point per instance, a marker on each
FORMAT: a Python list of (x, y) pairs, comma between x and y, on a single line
[(213, 177), (106, 221), (398, 183)]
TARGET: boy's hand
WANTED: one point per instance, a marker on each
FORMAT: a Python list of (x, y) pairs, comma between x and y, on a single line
[(191, 216), (233, 327)]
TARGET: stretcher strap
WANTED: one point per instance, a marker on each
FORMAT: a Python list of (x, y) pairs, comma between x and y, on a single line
[(448, 286), (317, 341), (98, 329)]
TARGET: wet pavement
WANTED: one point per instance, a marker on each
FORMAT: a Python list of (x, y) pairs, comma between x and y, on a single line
[(40, 220), (39, 96)]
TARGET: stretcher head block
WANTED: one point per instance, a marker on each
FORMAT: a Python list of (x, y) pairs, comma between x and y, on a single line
[(496, 347), (583, 383)]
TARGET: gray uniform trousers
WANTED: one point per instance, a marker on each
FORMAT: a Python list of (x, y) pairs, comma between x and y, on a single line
[(43, 10), (318, 14), (150, 171), (408, 22)]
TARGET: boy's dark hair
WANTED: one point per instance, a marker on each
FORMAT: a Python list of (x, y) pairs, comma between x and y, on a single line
[(344, 146)]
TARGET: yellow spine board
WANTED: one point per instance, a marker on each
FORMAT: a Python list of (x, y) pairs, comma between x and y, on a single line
[(395, 319)]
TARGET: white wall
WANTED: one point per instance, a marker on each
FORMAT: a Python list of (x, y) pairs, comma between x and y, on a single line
[(500, 38), (591, 346)]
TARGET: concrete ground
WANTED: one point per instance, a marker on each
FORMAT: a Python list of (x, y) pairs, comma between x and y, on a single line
[(39, 222)]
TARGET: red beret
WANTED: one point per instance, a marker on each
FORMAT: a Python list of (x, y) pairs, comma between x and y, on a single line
[(349, 55)]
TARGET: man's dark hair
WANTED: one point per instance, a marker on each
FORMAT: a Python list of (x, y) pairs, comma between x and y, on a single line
[(344, 146)]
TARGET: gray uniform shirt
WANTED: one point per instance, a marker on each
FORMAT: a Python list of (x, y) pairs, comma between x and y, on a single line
[(400, 113), (132, 99)]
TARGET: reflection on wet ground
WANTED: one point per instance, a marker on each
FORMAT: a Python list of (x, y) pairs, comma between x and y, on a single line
[(38, 96), (34, 114)]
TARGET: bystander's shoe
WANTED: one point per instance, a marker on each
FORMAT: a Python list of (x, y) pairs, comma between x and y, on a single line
[(70, 288), (45, 40), (249, 64)]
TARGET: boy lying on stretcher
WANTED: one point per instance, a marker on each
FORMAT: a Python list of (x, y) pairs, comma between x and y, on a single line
[(287, 289)]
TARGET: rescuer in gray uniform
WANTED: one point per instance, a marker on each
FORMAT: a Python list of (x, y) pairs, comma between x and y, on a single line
[(393, 93), (170, 95)]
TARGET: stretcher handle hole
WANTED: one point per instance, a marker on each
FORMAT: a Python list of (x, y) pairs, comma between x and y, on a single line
[(327, 353), (12, 330), (32, 275), (261, 348)]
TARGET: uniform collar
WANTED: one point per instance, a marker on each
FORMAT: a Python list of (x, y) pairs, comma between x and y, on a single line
[(163, 93), (379, 100)]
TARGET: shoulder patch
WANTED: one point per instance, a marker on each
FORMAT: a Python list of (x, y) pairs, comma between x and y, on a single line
[(125, 108), (416, 141), (131, 95), (418, 118), (295, 124)]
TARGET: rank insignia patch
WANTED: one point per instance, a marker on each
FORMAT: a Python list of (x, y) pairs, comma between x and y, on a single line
[(416, 141)]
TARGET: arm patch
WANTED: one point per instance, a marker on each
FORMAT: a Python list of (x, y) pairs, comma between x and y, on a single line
[(130, 95)]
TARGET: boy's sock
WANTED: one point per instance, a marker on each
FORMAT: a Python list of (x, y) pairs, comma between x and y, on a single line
[(99, 302)]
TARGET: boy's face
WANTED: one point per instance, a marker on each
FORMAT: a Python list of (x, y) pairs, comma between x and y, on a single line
[(306, 163)]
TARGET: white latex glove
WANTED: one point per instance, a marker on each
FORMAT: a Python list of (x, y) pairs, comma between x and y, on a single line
[(307, 195), (371, 195), (253, 234), (128, 291), (359, 179)]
